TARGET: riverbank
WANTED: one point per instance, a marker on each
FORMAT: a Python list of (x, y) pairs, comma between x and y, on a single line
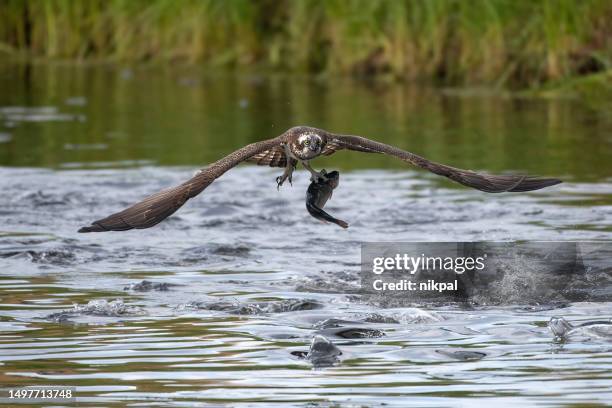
[(494, 43)]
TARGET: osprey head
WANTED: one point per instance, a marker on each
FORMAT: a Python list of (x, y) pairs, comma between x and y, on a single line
[(307, 144)]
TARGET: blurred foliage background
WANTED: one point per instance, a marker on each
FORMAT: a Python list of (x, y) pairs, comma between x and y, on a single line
[(515, 43)]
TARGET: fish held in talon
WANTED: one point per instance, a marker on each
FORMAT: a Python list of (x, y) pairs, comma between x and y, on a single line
[(318, 193), (299, 144)]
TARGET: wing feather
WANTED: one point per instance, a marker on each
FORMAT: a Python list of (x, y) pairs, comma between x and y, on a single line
[(161, 205), (333, 145), (274, 157), (484, 182)]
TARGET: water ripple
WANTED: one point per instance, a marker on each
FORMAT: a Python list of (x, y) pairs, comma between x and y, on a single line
[(221, 303)]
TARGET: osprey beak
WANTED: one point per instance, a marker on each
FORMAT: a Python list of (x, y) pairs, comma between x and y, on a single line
[(313, 147)]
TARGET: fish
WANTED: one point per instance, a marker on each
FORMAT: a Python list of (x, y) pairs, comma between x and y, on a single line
[(317, 195)]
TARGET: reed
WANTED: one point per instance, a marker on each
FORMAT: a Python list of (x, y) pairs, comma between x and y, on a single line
[(493, 42)]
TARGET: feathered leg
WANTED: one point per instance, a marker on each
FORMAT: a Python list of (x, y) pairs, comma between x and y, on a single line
[(289, 168), (314, 175)]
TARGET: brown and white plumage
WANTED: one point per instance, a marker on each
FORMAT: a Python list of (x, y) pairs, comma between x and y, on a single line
[(301, 144), (274, 157), (161, 205), (483, 182)]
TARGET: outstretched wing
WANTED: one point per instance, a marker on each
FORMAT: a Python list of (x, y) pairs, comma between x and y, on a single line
[(161, 205), (484, 182), (274, 157), (336, 143)]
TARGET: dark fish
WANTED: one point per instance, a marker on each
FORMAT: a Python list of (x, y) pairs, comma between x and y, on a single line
[(317, 195)]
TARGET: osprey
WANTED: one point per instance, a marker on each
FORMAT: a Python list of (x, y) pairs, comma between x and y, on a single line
[(298, 144)]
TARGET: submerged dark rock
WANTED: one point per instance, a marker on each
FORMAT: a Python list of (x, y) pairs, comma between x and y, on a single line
[(292, 305), (463, 355), (231, 250), (332, 322), (559, 326), (322, 352), (60, 317), (378, 318), (50, 257), (229, 307), (562, 329), (286, 305), (353, 332), (147, 286), (98, 307)]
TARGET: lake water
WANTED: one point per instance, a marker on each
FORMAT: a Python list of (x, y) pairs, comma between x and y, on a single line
[(243, 278)]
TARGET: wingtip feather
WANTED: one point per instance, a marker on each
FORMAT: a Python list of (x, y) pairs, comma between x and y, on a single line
[(92, 228), (535, 183)]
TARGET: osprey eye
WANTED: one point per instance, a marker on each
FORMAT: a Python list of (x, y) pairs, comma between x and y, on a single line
[(306, 142)]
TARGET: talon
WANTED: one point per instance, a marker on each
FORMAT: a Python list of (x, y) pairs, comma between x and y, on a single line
[(322, 175), (287, 175)]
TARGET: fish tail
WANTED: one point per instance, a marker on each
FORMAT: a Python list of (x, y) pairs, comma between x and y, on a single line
[(321, 215)]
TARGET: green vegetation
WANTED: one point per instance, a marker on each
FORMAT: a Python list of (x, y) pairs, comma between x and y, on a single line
[(493, 42)]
